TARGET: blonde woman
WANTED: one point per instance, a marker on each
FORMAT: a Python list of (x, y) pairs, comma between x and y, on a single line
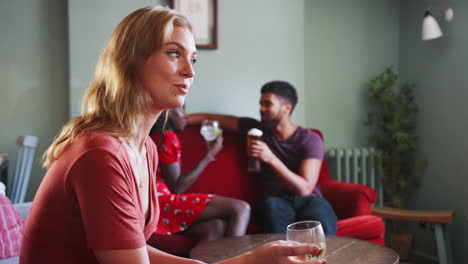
[(97, 203)]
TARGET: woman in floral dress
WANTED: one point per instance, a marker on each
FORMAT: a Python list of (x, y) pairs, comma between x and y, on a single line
[(206, 216)]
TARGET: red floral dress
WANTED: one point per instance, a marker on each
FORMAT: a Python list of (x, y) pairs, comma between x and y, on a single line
[(178, 211)]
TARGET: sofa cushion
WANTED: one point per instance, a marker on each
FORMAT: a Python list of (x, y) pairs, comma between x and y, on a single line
[(366, 227), (349, 199), (11, 229), (228, 175)]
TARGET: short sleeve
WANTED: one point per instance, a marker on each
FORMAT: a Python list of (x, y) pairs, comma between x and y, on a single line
[(170, 150), (313, 146), (109, 211), (246, 123)]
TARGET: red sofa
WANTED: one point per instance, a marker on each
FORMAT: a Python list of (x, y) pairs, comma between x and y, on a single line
[(228, 176)]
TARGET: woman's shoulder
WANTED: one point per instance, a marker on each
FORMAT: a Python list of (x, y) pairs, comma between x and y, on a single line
[(87, 143), (100, 141), (97, 149)]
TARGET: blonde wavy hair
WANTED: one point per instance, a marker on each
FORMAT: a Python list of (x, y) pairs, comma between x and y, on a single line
[(115, 100)]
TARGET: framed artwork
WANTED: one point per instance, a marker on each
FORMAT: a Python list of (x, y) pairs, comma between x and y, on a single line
[(203, 15)]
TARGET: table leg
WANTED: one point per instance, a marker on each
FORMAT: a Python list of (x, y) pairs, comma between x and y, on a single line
[(443, 244)]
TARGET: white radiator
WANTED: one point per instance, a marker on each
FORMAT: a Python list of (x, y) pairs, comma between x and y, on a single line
[(356, 165)]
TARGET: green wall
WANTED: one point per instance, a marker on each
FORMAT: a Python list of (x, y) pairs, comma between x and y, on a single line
[(33, 76), (90, 24), (346, 44), (258, 40), (439, 68)]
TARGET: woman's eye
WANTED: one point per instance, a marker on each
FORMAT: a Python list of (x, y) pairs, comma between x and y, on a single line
[(174, 54), (193, 61)]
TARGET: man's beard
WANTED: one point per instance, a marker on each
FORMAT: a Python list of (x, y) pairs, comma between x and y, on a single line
[(271, 123)]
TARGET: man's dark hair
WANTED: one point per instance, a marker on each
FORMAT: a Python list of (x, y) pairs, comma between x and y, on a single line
[(282, 89)]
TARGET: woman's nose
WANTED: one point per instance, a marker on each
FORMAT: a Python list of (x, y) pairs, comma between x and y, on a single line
[(187, 70)]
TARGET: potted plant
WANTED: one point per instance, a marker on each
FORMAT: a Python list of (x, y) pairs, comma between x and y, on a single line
[(392, 122)]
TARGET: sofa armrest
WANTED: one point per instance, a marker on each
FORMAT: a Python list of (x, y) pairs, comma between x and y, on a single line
[(348, 199)]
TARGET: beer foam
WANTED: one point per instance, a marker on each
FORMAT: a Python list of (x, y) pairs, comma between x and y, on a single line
[(255, 132)]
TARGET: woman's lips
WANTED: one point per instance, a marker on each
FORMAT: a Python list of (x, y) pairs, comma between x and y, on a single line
[(182, 88)]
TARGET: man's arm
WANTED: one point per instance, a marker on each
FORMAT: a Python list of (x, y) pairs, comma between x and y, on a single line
[(300, 184), (303, 183), (227, 122)]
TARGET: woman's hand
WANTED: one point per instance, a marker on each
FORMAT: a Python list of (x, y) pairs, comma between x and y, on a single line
[(281, 252), (214, 147)]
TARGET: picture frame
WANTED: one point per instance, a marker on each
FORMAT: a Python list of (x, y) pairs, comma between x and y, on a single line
[(203, 16)]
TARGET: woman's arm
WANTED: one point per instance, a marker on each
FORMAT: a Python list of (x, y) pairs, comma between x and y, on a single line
[(143, 255), (136, 256), (179, 183), (277, 252), (158, 256)]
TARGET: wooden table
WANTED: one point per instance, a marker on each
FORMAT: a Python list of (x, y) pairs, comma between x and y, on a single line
[(339, 249)]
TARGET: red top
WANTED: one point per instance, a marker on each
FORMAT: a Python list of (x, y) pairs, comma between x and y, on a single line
[(178, 211), (170, 150), (89, 199)]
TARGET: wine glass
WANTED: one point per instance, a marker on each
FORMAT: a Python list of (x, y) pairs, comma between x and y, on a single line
[(310, 232), (210, 129)]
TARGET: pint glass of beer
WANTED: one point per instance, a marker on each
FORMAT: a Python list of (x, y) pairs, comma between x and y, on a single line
[(253, 163)]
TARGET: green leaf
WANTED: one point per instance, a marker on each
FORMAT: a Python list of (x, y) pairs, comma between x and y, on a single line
[(391, 120)]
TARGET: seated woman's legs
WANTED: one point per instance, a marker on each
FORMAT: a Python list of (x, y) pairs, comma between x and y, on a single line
[(235, 212), (207, 230)]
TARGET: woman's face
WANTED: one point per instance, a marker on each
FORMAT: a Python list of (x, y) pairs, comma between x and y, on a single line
[(178, 118), (168, 73)]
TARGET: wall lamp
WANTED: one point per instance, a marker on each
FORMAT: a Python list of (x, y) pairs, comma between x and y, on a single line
[(430, 27)]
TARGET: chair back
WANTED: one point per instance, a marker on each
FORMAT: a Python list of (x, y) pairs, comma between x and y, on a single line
[(26, 149)]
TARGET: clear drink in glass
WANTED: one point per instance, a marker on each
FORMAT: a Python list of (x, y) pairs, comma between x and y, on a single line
[(210, 129), (310, 232)]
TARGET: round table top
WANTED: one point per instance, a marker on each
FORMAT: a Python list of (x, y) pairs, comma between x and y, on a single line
[(339, 249)]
